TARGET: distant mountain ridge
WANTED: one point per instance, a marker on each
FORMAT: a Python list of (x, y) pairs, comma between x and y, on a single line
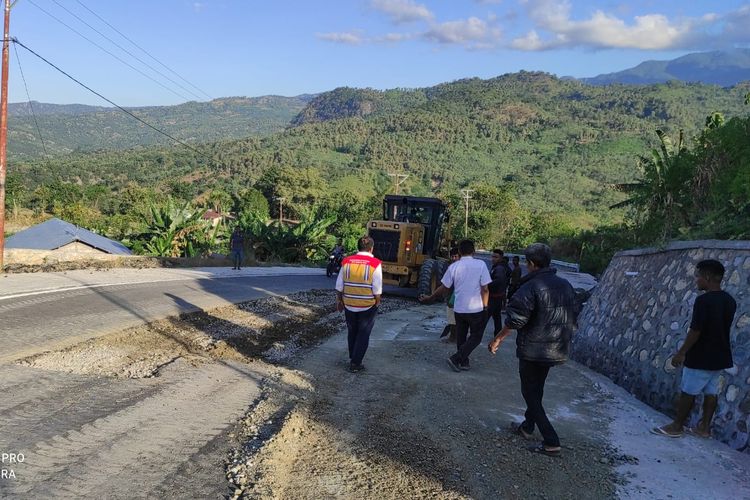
[(725, 68), (79, 127)]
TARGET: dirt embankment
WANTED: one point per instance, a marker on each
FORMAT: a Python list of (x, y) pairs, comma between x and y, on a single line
[(273, 329)]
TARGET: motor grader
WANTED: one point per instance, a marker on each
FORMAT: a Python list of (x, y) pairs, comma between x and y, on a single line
[(411, 242)]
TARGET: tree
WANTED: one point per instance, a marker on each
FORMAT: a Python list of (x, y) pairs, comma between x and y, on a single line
[(252, 201), (658, 195), (219, 200)]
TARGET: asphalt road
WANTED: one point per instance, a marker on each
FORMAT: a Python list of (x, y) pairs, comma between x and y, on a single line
[(59, 319)]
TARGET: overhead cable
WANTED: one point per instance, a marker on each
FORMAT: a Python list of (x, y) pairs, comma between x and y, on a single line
[(126, 50), (108, 52), (31, 106), (144, 50), (124, 110)]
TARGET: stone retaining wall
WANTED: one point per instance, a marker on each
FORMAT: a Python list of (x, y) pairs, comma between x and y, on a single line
[(639, 315)]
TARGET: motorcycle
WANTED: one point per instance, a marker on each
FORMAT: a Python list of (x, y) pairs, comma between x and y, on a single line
[(334, 265)]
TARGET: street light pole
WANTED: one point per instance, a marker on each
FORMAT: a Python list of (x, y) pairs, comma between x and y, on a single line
[(4, 128)]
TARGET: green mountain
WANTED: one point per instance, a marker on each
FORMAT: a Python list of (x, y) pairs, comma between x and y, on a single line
[(724, 68), (76, 127), (560, 145)]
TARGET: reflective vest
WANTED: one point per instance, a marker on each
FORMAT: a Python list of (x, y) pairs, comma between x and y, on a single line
[(358, 272)]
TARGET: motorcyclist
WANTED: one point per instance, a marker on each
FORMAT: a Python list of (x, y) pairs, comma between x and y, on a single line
[(338, 250), (334, 261)]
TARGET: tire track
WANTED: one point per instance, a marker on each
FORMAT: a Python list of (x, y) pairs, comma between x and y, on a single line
[(136, 450)]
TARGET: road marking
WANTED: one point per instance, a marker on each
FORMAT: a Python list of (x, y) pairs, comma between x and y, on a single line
[(106, 285)]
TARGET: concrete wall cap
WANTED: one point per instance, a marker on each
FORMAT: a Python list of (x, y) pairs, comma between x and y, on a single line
[(675, 246)]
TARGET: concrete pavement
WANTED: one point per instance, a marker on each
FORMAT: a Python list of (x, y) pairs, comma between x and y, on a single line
[(44, 311), (27, 284)]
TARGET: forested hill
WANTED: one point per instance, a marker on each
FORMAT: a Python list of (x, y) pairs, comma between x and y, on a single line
[(558, 144), (77, 127)]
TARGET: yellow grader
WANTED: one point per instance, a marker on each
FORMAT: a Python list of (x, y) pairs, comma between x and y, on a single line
[(411, 242)]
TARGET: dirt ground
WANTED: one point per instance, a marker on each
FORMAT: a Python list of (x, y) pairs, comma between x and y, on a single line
[(408, 427), (255, 401)]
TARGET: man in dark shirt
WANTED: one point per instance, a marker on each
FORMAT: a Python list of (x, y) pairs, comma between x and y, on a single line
[(499, 275), (705, 352), (237, 246)]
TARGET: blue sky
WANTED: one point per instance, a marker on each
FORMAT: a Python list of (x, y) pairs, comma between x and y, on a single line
[(284, 47)]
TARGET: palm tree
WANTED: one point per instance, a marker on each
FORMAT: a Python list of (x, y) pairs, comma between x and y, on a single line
[(665, 174)]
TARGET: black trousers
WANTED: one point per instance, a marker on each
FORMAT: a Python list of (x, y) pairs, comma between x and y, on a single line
[(495, 311), (359, 326), (533, 375), (472, 324)]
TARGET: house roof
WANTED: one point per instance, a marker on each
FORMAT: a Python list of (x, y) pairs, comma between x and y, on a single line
[(213, 214), (55, 233)]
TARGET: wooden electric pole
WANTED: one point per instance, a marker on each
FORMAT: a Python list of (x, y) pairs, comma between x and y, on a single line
[(4, 128), (467, 197), (398, 179), (281, 210)]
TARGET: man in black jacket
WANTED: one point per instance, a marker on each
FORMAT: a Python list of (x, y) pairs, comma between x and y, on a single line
[(544, 311)]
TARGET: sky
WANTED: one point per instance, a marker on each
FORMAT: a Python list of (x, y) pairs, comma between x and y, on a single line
[(199, 50)]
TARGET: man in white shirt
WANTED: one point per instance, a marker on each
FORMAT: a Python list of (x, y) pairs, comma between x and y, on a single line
[(359, 286), (469, 278)]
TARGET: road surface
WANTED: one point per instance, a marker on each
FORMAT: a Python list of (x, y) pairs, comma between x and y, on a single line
[(35, 319)]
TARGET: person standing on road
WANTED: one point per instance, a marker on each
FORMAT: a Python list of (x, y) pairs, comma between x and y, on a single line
[(499, 275), (515, 276), (237, 246), (706, 352), (449, 332), (359, 286), (469, 278), (543, 311)]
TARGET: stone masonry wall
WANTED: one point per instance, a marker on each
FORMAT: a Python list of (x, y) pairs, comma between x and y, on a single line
[(639, 315)]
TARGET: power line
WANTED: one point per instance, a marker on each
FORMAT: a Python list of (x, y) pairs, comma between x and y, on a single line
[(144, 50), (125, 50), (108, 52), (166, 134), (31, 106)]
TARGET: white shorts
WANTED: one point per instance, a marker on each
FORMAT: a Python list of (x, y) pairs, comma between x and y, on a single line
[(451, 315)]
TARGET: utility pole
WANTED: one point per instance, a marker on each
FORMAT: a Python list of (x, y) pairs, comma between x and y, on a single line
[(4, 128), (398, 179), (467, 197), (281, 210)]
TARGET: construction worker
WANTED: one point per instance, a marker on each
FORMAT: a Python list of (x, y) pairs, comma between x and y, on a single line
[(359, 286)]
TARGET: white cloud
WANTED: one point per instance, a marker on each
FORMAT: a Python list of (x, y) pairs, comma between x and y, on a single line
[(472, 32), (198, 6), (394, 37), (347, 38), (489, 2), (403, 11), (646, 32)]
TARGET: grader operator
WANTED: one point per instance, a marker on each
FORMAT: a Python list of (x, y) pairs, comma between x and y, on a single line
[(411, 242)]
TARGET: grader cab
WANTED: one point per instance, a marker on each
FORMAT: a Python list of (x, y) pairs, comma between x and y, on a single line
[(411, 242)]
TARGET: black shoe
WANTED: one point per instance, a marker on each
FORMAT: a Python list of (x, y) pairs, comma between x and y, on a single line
[(464, 365), (356, 368), (454, 364)]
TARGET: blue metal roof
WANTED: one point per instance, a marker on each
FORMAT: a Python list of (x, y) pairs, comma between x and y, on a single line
[(55, 233)]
